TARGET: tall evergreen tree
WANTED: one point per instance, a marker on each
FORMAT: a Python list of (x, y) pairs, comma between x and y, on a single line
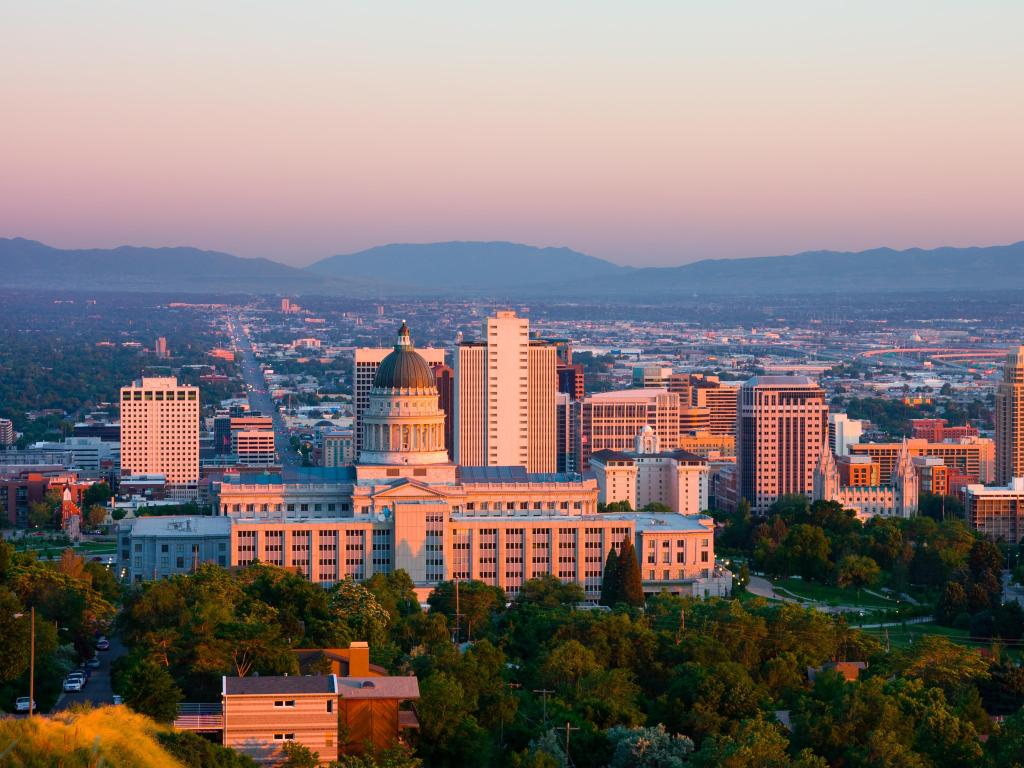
[(610, 584), (630, 584)]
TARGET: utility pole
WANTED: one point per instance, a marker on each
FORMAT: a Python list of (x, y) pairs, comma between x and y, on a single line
[(567, 729), (544, 692), (32, 666)]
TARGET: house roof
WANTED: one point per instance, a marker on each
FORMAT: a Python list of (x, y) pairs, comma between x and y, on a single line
[(272, 685), (404, 687)]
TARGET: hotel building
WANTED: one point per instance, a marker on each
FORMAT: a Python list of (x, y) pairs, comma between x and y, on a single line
[(160, 430)]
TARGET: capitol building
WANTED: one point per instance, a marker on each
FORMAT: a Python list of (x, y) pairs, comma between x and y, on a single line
[(405, 505)]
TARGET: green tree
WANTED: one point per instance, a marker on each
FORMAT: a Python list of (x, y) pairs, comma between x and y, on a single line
[(567, 664), (952, 602), (40, 515), (150, 690), (857, 571), (193, 751), (611, 584), (16, 631), (756, 744), (477, 602), (96, 494), (629, 575), (298, 755), (805, 551), (396, 756), (354, 605), (622, 505), (550, 591), (648, 748), (656, 506)]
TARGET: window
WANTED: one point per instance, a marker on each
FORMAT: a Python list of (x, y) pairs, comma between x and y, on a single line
[(284, 703), (330, 705), (284, 737)]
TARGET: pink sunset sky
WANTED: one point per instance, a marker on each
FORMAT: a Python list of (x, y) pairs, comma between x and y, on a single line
[(644, 133)]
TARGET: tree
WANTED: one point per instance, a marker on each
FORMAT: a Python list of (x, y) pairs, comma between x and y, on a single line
[(550, 592), (40, 515), (96, 494), (629, 575), (805, 551), (622, 505), (757, 744), (938, 662), (193, 751), (299, 756), (857, 571), (150, 690), (352, 603), (952, 603), (656, 506), (567, 664), (15, 631), (477, 602), (397, 756), (648, 748), (611, 584), (96, 516)]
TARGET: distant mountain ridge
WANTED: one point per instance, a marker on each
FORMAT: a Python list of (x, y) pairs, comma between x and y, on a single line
[(510, 271), (469, 265)]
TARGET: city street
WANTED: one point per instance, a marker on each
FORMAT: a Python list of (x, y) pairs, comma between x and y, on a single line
[(259, 398), (97, 689)]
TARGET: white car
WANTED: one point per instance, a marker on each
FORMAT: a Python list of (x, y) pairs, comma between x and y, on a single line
[(21, 704), (73, 684)]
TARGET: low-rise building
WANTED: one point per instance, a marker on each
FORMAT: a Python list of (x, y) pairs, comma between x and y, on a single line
[(157, 547)]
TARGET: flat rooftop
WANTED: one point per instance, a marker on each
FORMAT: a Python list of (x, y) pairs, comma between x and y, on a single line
[(182, 525)]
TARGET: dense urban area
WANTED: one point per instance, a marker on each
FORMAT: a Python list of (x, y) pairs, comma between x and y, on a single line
[(301, 530)]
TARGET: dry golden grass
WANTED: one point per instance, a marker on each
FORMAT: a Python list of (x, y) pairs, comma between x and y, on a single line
[(105, 737)]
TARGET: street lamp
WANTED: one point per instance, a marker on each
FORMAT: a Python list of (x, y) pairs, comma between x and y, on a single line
[(31, 661)]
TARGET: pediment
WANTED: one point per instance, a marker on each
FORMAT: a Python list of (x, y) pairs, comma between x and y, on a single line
[(409, 489)]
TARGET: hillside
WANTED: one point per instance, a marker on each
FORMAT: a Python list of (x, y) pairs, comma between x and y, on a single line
[(881, 270), (485, 267), (30, 264)]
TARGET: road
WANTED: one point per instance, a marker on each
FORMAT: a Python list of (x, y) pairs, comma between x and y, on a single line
[(259, 398), (97, 688)]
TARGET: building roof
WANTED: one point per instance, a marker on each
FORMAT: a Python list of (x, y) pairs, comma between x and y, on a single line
[(271, 685), (780, 381), (404, 687), (606, 454), (404, 367), (182, 525), (665, 521), (648, 393), (516, 474)]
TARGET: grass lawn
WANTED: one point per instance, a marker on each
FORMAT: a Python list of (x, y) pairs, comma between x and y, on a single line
[(824, 593), (904, 637)]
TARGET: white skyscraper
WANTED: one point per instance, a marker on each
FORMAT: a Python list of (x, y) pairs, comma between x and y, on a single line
[(505, 391), (160, 430)]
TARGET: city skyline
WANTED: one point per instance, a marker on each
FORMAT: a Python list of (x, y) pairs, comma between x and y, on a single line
[(624, 133)]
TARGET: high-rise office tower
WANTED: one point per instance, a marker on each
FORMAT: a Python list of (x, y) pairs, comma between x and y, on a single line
[(160, 430), (571, 380), (709, 392), (1010, 419), (6, 433), (611, 420), (364, 367), (843, 432), (505, 387), (782, 427)]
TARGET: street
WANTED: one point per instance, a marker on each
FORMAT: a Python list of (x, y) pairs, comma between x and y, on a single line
[(259, 398), (97, 689)]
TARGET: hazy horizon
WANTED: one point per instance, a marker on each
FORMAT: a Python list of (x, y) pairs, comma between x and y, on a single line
[(656, 134)]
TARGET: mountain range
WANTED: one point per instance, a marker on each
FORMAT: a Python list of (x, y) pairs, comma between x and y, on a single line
[(509, 270)]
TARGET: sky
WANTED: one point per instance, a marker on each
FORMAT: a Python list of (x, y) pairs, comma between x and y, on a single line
[(640, 132)]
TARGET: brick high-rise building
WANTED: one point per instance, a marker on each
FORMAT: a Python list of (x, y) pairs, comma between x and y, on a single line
[(160, 430), (6, 433), (364, 367), (1010, 419), (782, 427), (444, 378), (721, 399), (571, 380), (505, 387)]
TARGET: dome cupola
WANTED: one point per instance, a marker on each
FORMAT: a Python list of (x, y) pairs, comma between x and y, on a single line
[(404, 367)]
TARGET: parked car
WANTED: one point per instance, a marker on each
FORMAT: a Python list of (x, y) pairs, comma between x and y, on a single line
[(21, 704), (102, 644), (93, 663), (73, 684)]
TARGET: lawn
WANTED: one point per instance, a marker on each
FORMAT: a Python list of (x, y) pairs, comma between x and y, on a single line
[(824, 593), (905, 636)]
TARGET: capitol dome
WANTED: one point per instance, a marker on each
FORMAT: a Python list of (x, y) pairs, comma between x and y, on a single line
[(404, 368)]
